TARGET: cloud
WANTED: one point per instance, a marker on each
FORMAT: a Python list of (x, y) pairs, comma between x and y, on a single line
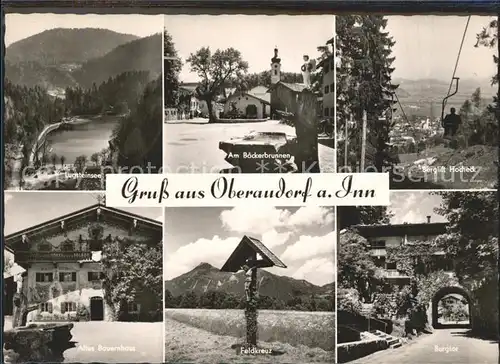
[(311, 215), (414, 207), (256, 220), (272, 238), (259, 220), (310, 246), (319, 271), (214, 251)]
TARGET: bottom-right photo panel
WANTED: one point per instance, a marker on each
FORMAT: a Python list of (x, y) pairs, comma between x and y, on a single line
[(417, 281)]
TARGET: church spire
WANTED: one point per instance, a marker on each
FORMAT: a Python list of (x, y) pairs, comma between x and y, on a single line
[(275, 59)]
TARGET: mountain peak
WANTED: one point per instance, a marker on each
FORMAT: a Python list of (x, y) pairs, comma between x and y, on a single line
[(204, 265)]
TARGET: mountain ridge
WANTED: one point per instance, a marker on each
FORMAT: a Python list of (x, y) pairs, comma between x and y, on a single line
[(205, 277), (64, 45)]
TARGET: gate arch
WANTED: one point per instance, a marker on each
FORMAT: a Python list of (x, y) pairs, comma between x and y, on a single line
[(441, 293)]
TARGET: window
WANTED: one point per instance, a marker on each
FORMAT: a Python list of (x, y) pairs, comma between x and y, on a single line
[(380, 244), (380, 262), (95, 276), (326, 111), (133, 307), (332, 112), (67, 277), (275, 72), (44, 277), (391, 266), (68, 307), (44, 247), (67, 246), (45, 307), (327, 89)]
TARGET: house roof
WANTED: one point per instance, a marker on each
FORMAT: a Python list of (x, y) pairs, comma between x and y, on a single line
[(295, 87), (245, 248), (258, 90), (266, 99), (374, 231), (76, 218)]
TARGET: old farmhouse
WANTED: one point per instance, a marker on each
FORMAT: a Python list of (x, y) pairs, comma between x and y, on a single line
[(64, 277)]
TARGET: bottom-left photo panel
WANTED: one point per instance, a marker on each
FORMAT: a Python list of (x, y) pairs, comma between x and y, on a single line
[(82, 282)]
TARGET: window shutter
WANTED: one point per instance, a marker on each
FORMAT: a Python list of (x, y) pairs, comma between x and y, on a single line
[(73, 276), (63, 307), (49, 304)]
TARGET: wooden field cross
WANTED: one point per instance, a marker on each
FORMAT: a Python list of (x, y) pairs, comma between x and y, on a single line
[(249, 255)]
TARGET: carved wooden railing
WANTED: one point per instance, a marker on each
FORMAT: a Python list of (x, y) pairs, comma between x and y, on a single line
[(50, 256)]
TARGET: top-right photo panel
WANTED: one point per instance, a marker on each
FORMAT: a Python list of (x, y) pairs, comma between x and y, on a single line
[(416, 97)]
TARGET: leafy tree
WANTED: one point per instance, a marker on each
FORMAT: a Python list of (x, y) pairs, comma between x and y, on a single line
[(95, 158), (53, 159), (80, 163), (215, 71), (189, 300), (133, 274), (356, 268), (364, 83), (170, 301), (362, 215), (475, 250), (172, 67)]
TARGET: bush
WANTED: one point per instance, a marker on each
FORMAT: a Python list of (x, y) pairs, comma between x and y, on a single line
[(385, 305), (348, 300)]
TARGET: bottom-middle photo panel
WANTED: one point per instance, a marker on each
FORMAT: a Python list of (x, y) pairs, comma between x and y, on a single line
[(249, 284)]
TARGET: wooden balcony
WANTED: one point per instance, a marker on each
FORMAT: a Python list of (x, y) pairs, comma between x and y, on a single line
[(52, 256)]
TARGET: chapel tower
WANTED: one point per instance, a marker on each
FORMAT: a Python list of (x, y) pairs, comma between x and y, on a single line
[(275, 67)]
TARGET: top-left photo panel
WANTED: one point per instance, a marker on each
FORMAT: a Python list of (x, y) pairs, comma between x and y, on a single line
[(83, 98)]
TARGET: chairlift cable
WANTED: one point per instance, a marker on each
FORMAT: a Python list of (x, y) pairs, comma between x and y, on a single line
[(458, 56)]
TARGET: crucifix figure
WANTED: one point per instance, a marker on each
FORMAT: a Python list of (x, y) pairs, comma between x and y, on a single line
[(248, 268)]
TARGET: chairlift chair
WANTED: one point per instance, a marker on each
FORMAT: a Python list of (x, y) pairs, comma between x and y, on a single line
[(456, 79)]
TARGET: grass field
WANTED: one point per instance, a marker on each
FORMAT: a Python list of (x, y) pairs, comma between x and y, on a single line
[(206, 336)]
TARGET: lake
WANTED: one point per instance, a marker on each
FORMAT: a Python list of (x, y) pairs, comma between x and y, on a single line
[(83, 139)]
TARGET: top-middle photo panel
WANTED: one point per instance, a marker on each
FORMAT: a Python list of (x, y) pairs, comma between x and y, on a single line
[(249, 94)]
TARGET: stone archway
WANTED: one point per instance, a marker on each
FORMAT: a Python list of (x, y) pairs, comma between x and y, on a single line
[(440, 294)]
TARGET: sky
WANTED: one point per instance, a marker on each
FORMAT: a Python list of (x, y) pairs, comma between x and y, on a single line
[(427, 47), (26, 209), (20, 26), (414, 207), (303, 238), (255, 36)]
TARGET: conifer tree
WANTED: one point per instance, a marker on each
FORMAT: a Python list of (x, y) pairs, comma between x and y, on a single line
[(364, 80)]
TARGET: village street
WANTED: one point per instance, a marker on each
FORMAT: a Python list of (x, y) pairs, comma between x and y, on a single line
[(192, 146), (432, 349)]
